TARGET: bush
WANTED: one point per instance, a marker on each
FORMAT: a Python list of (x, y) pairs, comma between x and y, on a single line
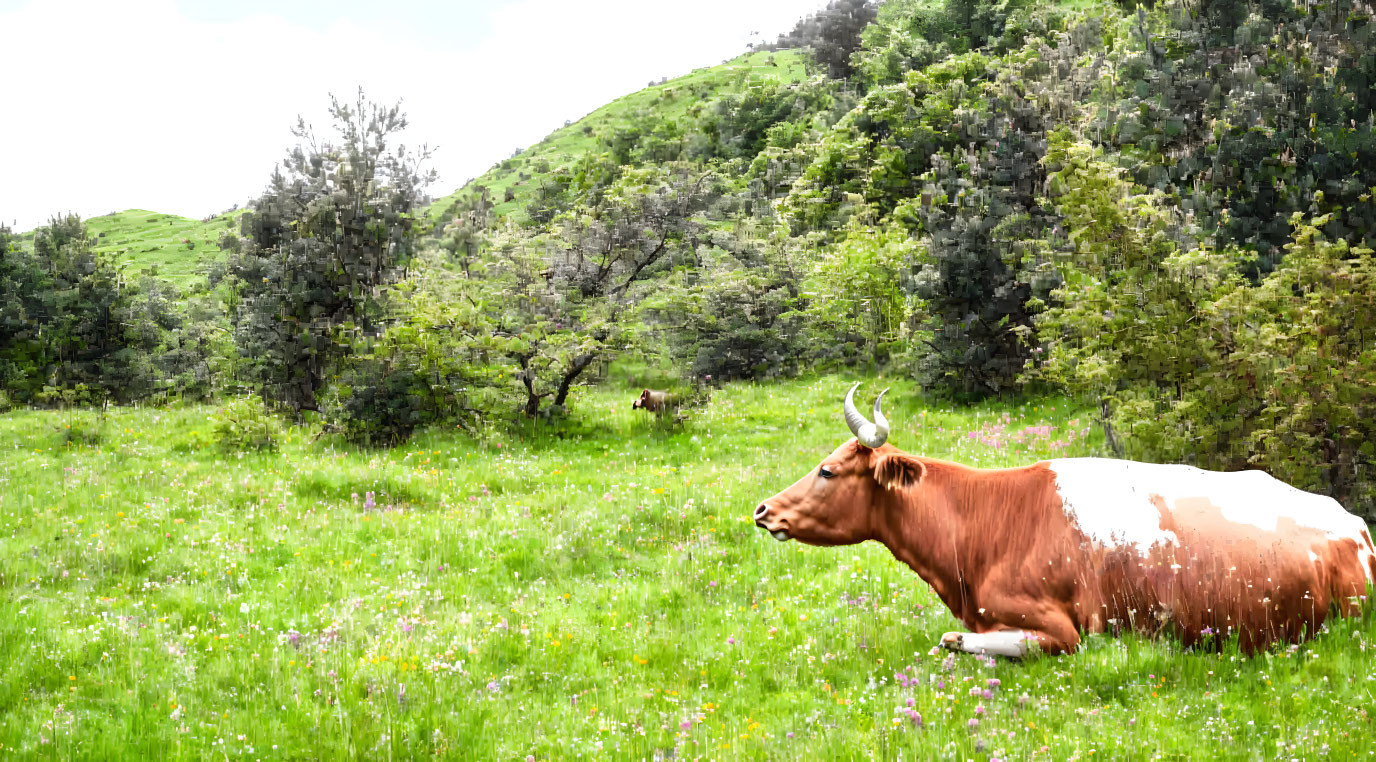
[(379, 403), (246, 424), (81, 428)]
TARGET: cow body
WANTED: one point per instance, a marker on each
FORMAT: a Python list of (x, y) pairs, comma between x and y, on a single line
[(653, 401), (1085, 545)]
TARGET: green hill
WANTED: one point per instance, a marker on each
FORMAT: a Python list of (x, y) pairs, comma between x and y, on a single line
[(668, 100), (177, 248), (165, 245), (171, 247)]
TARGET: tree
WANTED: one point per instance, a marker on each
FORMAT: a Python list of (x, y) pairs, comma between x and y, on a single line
[(439, 360), (574, 287), (334, 229), (833, 33), (72, 333)]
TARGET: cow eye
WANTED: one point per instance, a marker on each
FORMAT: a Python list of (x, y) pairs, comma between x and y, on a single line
[(824, 473)]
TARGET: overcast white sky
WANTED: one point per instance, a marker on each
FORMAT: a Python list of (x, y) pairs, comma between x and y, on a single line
[(185, 107)]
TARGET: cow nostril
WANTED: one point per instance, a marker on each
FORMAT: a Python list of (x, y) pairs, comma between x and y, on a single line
[(761, 511)]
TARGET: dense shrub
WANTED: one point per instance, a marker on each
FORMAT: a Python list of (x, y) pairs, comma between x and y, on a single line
[(1189, 362), (245, 424), (81, 428)]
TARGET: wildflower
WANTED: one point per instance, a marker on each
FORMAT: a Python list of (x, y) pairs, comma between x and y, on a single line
[(368, 502), (494, 687), (973, 724), (730, 641), (994, 682), (979, 709), (789, 734), (686, 725), (987, 694)]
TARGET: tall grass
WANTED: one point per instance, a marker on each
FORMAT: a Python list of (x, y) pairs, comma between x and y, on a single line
[(595, 590)]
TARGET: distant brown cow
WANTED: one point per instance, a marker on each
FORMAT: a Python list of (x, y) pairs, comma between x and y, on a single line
[(653, 401)]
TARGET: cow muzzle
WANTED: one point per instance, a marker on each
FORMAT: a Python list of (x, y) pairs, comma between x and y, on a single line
[(761, 514)]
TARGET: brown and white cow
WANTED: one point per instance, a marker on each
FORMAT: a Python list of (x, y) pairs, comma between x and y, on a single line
[(653, 401), (1049, 551)]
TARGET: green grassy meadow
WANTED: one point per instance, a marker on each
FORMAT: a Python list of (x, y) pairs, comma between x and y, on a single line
[(173, 248), (592, 591)]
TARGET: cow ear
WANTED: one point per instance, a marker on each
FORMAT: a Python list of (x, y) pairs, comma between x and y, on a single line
[(898, 470)]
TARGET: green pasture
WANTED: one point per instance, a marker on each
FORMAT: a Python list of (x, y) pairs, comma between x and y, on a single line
[(171, 247), (589, 591)]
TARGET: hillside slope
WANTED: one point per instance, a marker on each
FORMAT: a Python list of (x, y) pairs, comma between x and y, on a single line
[(177, 248), (511, 182), (165, 245)]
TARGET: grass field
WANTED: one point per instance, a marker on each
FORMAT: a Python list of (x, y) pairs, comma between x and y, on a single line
[(171, 247), (596, 591)]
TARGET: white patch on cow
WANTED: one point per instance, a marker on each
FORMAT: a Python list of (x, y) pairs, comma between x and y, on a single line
[(1312, 555), (1364, 558), (1111, 500), (1011, 643)]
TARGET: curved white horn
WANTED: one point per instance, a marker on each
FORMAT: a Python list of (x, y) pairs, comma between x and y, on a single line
[(871, 435)]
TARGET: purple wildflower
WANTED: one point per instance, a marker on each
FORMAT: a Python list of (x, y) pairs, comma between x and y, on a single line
[(368, 502)]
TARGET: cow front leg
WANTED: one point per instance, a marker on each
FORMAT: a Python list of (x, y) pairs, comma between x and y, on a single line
[(1014, 644)]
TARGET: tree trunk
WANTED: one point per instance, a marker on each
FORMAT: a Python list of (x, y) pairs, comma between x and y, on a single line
[(579, 365)]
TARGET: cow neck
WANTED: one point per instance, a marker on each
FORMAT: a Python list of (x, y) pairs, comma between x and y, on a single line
[(925, 527)]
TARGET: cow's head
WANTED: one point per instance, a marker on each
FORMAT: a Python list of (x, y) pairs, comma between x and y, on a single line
[(835, 503), (641, 400)]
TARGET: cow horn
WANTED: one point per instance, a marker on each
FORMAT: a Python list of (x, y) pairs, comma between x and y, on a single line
[(871, 435)]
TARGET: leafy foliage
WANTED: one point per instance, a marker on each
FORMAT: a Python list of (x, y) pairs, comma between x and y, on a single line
[(833, 34), (73, 333), (437, 362), (321, 246), (245, 424)]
